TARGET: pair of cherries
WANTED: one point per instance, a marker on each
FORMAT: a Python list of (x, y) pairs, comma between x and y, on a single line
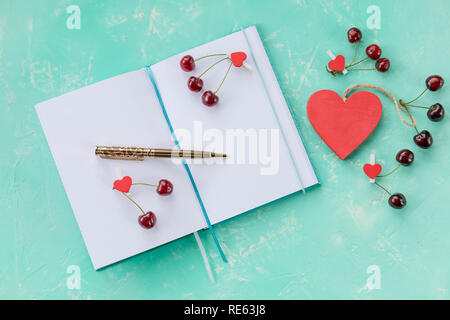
[(435, 112), (147, 219), (195, 84), (404, 158)]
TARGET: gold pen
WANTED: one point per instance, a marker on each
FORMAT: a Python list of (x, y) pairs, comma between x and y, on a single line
[(131, 153)]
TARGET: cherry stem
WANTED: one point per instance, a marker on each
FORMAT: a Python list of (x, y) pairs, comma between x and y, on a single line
[(357, 62), (356, 51), (133, 202), (410, 105), (144, 184), (388, 174), (361, 69), (223, 80), (406, 103), (212, 67), (380, 186), (210, 55), (416, 129)]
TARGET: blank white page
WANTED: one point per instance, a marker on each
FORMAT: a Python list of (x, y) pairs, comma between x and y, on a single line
[(123, 111), (293, 139), (230, 189)]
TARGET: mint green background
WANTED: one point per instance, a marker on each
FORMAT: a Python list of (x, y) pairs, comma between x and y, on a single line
[(317, 245)]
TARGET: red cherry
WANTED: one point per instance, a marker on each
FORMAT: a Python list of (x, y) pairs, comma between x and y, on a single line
[(209, 99), (195, 84), (397, 201), (436, 112), (147, 220), (354, 34), (373, 51), (187, 63), (405, 157), (165, 187), (434, 83), (423, 139), (383, 64)]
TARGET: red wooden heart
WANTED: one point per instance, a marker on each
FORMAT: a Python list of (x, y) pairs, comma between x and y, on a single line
[(337, 64), (372, 170), (123, 185), (343, 126), (237, 58)]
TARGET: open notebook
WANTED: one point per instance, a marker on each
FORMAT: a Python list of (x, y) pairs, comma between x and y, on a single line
[(125, 111)]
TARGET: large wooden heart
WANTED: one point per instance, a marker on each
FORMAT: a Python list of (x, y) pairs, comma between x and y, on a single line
[(343, 126)]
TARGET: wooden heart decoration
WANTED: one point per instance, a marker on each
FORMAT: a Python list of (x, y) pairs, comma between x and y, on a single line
[(238, 58), (337, 64), (123, 185), (343, 126), (372, 170)]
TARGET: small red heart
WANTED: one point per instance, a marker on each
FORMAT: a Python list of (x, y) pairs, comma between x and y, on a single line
[(372, 170), (237, 58), (123, 185), (337, 64)]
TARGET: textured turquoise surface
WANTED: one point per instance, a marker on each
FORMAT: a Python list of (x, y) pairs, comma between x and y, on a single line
[(317, 245)]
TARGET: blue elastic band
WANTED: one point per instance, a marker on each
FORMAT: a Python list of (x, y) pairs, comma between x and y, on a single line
[(273, 109), (213, 234)]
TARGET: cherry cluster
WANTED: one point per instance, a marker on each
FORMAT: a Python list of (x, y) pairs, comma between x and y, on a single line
[(435, 112), (373, 52), (187, 63), (147, 219), (422, 139)]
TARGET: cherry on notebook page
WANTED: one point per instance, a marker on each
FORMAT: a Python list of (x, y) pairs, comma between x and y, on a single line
[(187, 63), (209, 99), (195, 84), (147, 220), (165, 187)]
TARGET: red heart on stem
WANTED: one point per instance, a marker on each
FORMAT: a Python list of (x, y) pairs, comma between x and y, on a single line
[(343, 126), (372, 170), (337, 64), (237, 58), (123, 185)]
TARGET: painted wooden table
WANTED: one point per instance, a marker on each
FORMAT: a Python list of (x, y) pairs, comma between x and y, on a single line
[(340, 240)]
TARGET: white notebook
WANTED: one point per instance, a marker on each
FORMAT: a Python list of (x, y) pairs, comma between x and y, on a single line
[(125, 111)]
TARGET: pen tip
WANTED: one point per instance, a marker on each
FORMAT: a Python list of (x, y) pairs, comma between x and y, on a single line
[(218, 155)]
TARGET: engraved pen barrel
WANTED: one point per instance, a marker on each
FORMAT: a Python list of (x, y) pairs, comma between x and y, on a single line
[(122, 153)]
